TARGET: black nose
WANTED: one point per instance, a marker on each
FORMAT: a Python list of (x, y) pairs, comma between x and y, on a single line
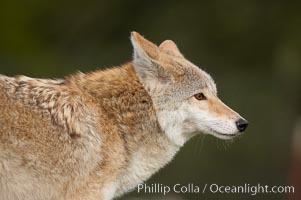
[(241, 124)]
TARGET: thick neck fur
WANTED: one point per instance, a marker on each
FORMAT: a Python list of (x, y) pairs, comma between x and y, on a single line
[(125, 105), (122, 102)]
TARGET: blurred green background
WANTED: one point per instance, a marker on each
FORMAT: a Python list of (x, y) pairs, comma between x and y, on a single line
[(251, 48)]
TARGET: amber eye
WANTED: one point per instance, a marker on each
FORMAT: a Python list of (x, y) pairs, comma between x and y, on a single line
[(200, 96)]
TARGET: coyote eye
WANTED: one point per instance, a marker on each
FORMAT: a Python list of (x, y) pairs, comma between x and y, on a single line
[(200, 96)]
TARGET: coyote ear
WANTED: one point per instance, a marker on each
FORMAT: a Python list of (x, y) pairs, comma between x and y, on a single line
[(169, 47), (144, 49), (146, 57)]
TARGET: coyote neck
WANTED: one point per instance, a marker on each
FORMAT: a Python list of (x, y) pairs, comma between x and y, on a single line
[(126, 106)]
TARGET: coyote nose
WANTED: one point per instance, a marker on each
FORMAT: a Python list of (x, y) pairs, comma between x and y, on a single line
[(241, 124)]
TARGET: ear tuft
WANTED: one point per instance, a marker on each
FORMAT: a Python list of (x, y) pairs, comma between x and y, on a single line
[(169, 47)]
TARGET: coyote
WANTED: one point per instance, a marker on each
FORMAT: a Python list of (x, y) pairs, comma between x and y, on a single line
[(98, 135)]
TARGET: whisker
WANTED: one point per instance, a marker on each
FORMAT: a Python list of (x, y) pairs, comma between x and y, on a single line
[(195, 149), (202, 142)]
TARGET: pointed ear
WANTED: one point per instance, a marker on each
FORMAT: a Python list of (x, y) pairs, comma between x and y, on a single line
[(145, 61), (169, 47), (144, 49)]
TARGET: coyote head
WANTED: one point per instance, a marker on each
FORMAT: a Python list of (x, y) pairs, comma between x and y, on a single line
[(184, 96)]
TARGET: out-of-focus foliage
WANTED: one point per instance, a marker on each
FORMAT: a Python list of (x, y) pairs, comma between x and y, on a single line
[(251, 48)]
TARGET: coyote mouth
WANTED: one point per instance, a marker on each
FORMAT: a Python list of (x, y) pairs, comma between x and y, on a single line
[(230, 135), (224, 135)]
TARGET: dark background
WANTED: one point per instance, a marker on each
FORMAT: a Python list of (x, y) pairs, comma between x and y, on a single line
[(251, 48)]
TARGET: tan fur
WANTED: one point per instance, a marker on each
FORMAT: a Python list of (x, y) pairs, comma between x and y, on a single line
[(97, 135)]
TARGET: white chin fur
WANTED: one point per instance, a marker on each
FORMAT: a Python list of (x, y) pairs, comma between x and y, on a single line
[(179, 123), (210, 124), (220, 128)]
